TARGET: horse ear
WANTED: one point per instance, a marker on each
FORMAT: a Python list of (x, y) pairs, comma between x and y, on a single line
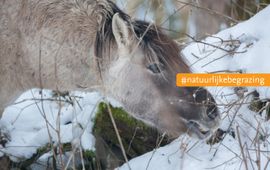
[(120, 31)]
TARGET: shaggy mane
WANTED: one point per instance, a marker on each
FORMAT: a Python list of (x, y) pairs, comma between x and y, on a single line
[(157, 46)]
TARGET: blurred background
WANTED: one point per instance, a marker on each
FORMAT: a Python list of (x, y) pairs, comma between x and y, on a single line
[(195, 18)]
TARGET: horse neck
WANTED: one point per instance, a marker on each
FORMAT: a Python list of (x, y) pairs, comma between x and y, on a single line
[(60, 46), (35, 55)]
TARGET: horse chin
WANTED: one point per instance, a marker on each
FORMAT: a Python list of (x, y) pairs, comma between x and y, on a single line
[(195, 129)]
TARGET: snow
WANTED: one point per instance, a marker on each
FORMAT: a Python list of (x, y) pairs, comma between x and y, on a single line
[(33, 124), (244, 47), (186, 153)]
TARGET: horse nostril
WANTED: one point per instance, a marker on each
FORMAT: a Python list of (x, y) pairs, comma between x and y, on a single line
[(212, 112)]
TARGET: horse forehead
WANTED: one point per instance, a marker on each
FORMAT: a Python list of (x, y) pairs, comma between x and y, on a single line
[(134, 55)]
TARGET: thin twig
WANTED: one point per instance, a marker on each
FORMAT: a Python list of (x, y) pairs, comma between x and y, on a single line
[(175, 11), (117, 134), (241, 147), (232, 51), (154, 151), (211, 11), (223, 163)]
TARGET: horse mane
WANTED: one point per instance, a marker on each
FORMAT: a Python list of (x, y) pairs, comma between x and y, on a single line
[(156, 46), (90, 22)]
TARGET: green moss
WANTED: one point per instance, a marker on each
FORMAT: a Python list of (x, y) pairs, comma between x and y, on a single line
[(119, 114), (256, 105), (89, 154), (137, 137), (43, 149), (24, 164), (66, 147), (89, 159)]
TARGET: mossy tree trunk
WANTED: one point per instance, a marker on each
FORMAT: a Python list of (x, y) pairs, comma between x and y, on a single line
[(137, 137)]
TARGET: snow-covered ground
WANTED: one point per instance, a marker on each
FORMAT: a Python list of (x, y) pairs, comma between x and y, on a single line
[(37, 119), (244, 47)]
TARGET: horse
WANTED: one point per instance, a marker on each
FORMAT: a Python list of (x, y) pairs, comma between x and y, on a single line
[(89, 45)]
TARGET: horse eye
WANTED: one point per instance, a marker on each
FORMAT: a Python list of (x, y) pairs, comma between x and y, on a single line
[(155, 68)]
